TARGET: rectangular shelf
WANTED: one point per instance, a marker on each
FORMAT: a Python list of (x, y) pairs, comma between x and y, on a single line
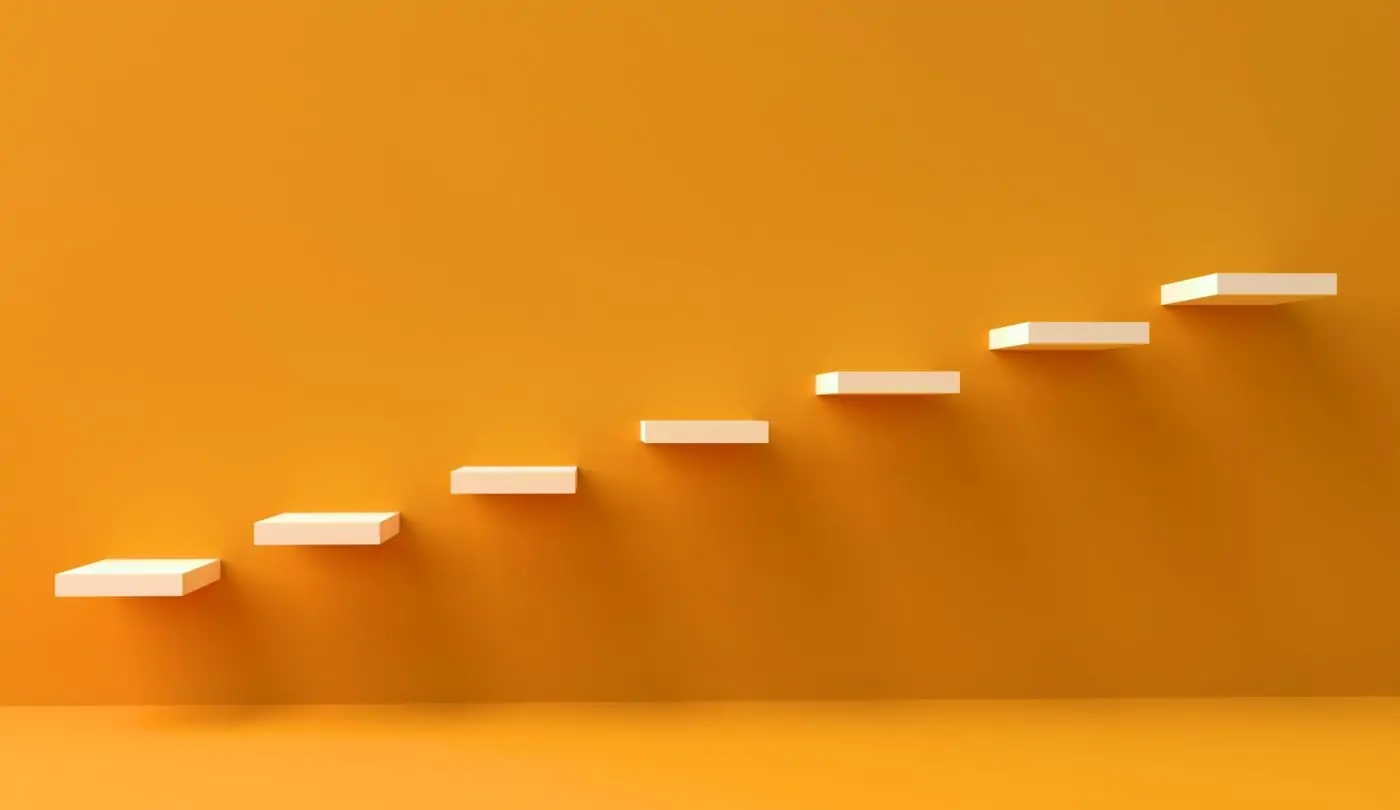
[(137, 578), (1069, 336), (514, 481), (326, 529), (1248, 289), (707, 431), (897, 383)]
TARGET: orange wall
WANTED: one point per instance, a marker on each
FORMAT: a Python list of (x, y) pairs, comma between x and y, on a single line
[(310, 255)]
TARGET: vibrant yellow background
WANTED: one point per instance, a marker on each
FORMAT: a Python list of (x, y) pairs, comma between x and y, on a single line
[(307, 255)]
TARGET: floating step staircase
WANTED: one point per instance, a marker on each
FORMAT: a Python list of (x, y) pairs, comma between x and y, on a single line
[(1248, 289), (326, 529), (514, 481), (179, 577), (892, 383), (714, 431), (137, 578), (1069, 336)]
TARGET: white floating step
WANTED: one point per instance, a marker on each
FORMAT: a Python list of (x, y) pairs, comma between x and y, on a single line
[(1248, 289), (137, 578), (1069, 335), (326, 529), (841, 383), (707, 431), (515, 481)]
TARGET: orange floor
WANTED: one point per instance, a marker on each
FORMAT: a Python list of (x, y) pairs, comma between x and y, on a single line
[(1338, 755)]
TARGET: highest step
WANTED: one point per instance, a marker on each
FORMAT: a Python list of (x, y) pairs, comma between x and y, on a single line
[(514, 481), (1068, 335), (137, 578), (326, 529), (1248, 289), (706, 431), (843, 383)]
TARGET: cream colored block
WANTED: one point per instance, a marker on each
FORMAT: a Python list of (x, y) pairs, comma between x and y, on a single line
[(137, 578), (326, 529), (1069, 336), (841, 383), (1248, 289), (709, 431), (515, 481)]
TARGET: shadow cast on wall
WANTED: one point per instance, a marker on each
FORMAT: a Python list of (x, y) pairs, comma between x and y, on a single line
[(1071, 525)]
